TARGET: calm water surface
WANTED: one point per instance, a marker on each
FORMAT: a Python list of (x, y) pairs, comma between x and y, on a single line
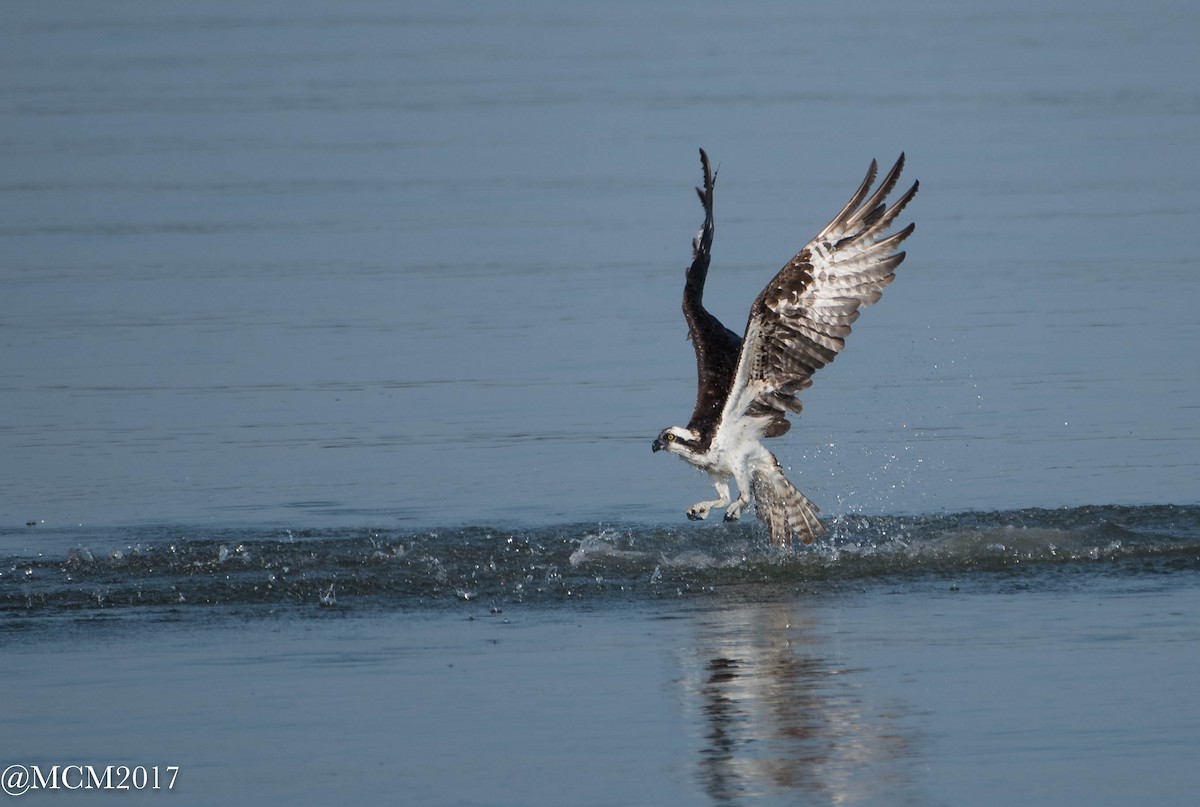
[(386, 264), (333, 337)]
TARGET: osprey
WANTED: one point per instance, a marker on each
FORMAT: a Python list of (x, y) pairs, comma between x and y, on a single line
[(797, 325)]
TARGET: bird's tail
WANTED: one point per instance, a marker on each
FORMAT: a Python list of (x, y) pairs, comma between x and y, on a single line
[(786, 511)]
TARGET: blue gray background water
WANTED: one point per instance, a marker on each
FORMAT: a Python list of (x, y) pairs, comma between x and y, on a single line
[(333, 338)]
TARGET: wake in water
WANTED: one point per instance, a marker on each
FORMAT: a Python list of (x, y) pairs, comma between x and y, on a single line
[(111, 572)]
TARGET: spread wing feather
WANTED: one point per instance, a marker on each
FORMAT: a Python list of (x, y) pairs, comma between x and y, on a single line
[(800, 321), (716, 346)]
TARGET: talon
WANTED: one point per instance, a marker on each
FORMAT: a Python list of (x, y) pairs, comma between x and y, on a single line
[(735, 510), (697, 515)]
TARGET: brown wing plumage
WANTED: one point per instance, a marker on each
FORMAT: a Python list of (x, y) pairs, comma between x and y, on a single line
[(716, 346), (799, 323)]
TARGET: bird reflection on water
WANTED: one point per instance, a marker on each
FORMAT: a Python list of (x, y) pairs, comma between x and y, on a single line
[(781, 715)]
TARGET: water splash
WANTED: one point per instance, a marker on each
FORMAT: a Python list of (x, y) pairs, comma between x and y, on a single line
[(106, 573)]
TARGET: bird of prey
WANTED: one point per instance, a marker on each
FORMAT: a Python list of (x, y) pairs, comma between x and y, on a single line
[(747, 385)]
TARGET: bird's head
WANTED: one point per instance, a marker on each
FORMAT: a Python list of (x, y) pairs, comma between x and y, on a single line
[(677, 440)]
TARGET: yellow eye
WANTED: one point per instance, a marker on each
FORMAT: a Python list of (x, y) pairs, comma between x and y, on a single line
[(670, 438)]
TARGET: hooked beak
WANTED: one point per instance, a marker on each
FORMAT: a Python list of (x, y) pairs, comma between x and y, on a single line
[(657, 445)]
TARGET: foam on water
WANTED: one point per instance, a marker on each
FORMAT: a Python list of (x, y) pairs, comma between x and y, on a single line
[(118, 573)]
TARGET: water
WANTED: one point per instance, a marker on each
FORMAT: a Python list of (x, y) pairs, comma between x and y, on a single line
[(177, 571), (333, 338), (1033, 656)]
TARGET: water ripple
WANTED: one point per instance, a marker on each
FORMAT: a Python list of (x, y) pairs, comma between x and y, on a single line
[(362, 569)]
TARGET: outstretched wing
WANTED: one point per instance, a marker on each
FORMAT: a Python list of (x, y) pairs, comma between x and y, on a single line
[(799, 323), (716, 346)]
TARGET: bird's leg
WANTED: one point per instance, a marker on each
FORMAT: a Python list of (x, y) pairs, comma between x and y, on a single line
[(699, 510), (735, 510), (743, 500)]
